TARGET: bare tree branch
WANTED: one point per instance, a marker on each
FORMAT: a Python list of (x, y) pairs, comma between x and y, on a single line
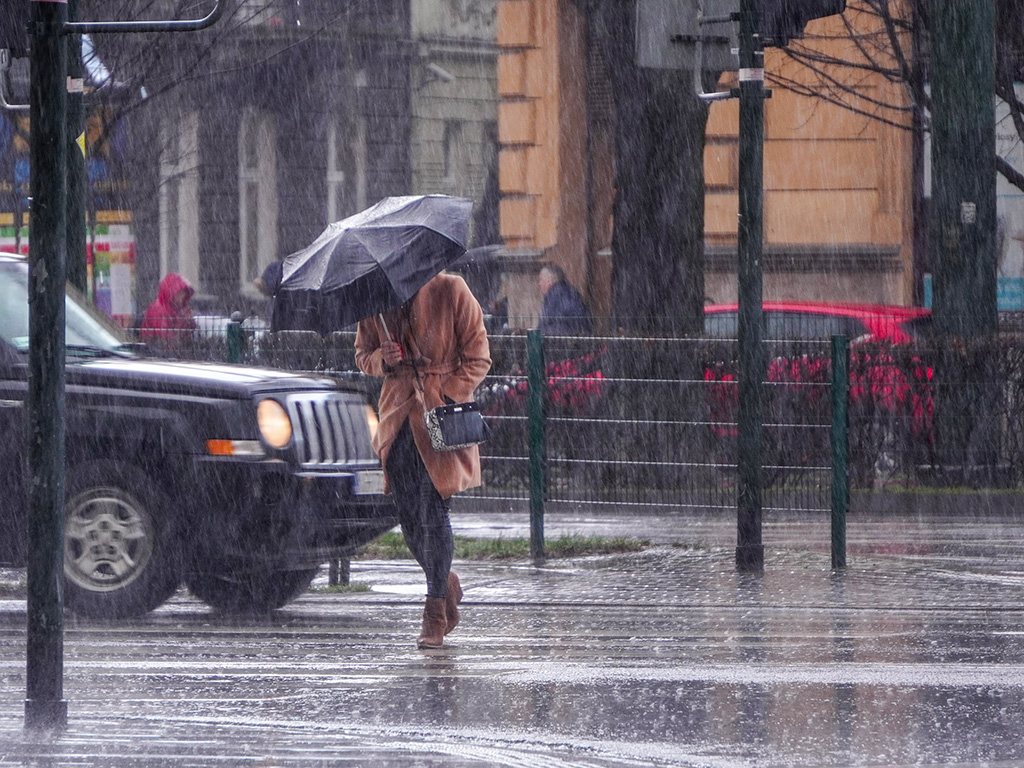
[(883, 54)]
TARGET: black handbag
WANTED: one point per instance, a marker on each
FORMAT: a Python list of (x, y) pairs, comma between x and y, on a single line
[(453, 425), (456, 425)]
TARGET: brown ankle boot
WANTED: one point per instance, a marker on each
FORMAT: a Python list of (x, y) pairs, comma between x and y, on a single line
[(434, 622), (452, 600)]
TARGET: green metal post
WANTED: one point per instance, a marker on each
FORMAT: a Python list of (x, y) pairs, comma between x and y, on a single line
[(840, 447), (44, 679), (538, 452), (752, 361), (234, 338), (78, 274)]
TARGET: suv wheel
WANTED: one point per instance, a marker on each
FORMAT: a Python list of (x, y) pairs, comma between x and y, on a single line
[(119, 560), (250, 592)]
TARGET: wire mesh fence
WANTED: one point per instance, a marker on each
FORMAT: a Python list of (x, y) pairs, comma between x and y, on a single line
[(628, 421), (653, 421), (942, 414)]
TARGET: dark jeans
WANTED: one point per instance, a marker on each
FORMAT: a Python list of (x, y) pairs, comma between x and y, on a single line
[(422, 513)]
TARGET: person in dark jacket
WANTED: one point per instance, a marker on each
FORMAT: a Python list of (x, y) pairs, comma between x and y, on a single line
[(563, 312), (270, 280)]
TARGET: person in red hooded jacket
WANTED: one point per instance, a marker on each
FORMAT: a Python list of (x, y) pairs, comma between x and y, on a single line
[(168, 321)]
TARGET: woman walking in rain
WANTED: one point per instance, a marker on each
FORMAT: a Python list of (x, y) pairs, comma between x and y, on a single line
[(432, 347)]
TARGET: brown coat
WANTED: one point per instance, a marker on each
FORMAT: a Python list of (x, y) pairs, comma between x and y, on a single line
[(444, 331)]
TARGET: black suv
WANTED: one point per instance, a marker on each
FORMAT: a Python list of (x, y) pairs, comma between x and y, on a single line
[(238, 481)]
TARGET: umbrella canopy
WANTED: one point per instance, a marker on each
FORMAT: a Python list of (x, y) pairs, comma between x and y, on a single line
[(371, 262)]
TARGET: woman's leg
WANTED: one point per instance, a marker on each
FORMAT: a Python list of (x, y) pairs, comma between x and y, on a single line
[(422, 513)]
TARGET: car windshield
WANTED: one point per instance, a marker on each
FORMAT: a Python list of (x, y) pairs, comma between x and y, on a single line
[(86, 333), (920, 328)]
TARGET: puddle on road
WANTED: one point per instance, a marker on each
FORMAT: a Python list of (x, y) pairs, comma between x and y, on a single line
[(201, 741)]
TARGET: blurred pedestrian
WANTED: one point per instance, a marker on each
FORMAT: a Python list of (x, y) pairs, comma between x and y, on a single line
[(431, 348), (168, 321), (563, 312), (270, 280)]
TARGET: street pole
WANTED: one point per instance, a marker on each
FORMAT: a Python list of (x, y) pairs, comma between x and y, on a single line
[(752, 362), (48, 250), (77, 266), (538, 452), (44, 703)]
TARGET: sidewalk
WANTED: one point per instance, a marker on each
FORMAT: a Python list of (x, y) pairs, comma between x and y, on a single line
[(667, 657)]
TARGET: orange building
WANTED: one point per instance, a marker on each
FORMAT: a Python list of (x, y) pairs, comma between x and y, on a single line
[(838, 196)]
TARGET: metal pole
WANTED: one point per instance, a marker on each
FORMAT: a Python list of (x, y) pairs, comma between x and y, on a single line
[(752, 362), (174, 25), (77, 266), (538, 457), (234, 338), (840, 447), (44, 703)]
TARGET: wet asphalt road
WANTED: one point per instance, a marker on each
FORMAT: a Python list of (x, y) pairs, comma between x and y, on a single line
[(913, 656)]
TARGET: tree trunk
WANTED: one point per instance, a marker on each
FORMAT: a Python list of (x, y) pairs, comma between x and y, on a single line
[(658, 238)]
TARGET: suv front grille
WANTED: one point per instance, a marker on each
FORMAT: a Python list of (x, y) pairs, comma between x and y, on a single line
[(330, 429)]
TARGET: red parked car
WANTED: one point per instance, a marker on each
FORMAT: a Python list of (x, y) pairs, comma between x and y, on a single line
[(807, 320), (881, 387)]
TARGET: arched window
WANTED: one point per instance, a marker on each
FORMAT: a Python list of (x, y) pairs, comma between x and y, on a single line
[(257, 195), (346, 169), (179, 197)]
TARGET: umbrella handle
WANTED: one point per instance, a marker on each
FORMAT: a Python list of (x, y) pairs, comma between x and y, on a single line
[(387, 332)]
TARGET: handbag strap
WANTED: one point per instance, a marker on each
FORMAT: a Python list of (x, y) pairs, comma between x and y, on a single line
[(412, 358)]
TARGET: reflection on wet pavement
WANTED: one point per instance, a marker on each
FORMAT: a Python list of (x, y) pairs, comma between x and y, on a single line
[(666, 657)]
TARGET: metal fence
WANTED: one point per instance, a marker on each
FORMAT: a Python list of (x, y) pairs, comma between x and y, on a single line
[(634, 422), (645, 422), (942, 414), (652, 421)]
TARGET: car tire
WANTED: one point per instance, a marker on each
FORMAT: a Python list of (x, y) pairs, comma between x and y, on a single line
[(120, 553), (250, 592)]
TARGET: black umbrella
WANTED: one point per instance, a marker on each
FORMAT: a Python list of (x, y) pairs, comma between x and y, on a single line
[(371, 262)]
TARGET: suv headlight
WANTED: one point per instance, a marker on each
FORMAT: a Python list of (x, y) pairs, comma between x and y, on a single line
[(275, 426)]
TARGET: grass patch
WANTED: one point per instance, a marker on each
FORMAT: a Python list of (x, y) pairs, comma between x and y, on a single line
[(391, 546), (343, 589)]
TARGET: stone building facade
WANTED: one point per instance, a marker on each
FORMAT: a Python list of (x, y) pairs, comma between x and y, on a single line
[(237, 145)]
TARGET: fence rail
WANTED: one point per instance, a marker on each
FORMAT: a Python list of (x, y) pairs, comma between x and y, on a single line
[(652, 421), (629, 421)]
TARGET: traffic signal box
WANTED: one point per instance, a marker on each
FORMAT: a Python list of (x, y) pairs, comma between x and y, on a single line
[(667, 31), (784, 20)]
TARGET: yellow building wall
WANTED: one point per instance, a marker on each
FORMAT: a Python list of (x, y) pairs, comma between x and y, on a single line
[(835, 181), (543, 156)]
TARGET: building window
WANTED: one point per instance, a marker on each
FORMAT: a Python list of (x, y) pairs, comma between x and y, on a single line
[(257, 198), (179, 197), (359, 159), (454, 149), (336, 208), (346, 170)]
